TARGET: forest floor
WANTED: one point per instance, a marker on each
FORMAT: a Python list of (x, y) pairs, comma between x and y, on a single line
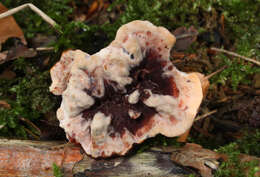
[(230, 112)]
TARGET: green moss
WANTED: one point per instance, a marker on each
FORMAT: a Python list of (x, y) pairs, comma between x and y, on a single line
[(250, 143), (233, 166), (237, 72), (59, 10), (28, 96), (57, 172)]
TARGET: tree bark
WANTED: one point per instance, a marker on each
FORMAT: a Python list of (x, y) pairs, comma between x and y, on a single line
[(22, 158)]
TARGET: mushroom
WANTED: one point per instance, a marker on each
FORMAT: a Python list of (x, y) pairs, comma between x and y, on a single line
[(126, 92)]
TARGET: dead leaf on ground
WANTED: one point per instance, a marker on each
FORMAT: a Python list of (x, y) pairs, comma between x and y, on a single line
[(9, 28), (41, 40), (205, 160), (7, 74), (3, 56), (20, 51), (4, 104), (17, 51), (184, 37), (193, 155), (89, 9)]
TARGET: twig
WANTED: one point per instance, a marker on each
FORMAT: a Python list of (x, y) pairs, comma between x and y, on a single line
[(214, 73), (184, 136), (44, 48), (31, 124), (236, 55), (32, 134), (36, 10), (205, 115), (185, 36)]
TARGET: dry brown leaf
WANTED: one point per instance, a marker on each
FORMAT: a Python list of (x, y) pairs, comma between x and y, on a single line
[(41, 40), (4, 104), (185, 37), (193, 155), (7, 74), (93, 8), (20, 51), (3, 56), (9, 28), (17, 51)]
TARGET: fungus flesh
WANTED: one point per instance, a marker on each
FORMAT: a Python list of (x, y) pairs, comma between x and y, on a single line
[(125, 93)]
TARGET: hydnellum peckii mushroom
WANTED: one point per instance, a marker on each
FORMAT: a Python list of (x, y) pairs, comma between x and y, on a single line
[(125, 93)]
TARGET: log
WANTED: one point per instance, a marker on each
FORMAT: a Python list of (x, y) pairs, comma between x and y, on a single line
[(22, 158)]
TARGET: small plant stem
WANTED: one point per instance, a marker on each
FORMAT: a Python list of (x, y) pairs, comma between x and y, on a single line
[(45, 17), (236, 55), (182, 138), (205, 115), (182, 36), (32, 134), (44, 48), (31, 124), (214, 73)]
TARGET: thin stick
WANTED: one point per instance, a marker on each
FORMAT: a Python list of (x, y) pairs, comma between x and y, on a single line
[(44, 48), (236, 55), (185, 36), (214, 73), (183, 137), (31, 133), (32, 124), (33, 8), (205, 115)]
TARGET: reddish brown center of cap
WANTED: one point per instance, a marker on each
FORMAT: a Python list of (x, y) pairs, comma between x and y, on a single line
[(148, 75)]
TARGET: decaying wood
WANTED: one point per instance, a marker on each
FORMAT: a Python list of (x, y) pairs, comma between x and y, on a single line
[(35, 158), (32, 158)]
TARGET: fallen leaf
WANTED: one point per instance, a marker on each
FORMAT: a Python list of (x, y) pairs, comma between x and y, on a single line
[(177, 55), (17, 51), (184, 37), (41, 40), (193, 155), (3, 56), (93, 8), (9, 28), (20, 51), (4, 104), (205, 160), (7, 74)]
